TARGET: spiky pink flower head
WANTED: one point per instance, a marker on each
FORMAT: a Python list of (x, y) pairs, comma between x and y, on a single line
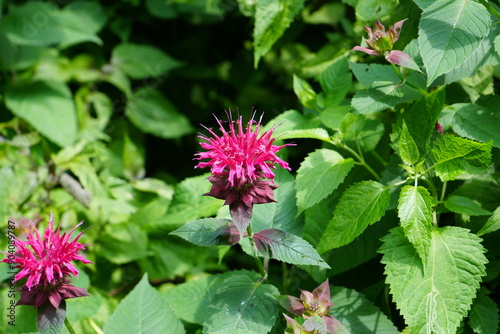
[(240, 161), (46, 262)]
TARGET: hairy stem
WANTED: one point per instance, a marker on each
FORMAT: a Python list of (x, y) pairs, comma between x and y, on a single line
[(258, 261)]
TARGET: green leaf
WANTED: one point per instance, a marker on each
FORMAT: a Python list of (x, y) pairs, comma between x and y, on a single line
[(304, 92), (48, 107), (34, 23), (434, 297), (154, 114), (209, 232), (291, 120), (332, 116), (483, 316), (123, 243), (367, 74), (483, 55), (362, 204), (80, 21), (142, 61), (465, 205), (336, 82), (241, 305), (493, 223), (455, 156), (281, 214), (272, 18), (191, 300), (415, 212), (408, 150), (421, 117), (170, 257), (317, 133), (143, 310), (382, 95), (319, 175), (358, 314), (449, 33), (370, 10), (50, 320), (476, 122), (288, 248)]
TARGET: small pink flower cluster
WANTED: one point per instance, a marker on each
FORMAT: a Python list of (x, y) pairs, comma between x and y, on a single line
[(313, 306), (46, 262)]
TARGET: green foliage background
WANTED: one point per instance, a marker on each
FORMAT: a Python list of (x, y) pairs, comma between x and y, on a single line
[(100, 105)]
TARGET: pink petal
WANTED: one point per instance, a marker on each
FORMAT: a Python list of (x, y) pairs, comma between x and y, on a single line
[(366, 50), (402, 59)]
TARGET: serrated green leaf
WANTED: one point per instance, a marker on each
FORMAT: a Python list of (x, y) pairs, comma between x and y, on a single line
[(50, 320), (304, 92), (435, 297), (465, 205), (191, 300), (483, 315), (281, 214), (142, 61), (421, 117), (415, 212), (143, 310), (449, 33), (476, 122), (336, 82), (362, 204), (382, 95), (493, 223), (408, 150), (454, 156), (242, 305), (288, 248), (483, 55), (209, 232), (48, 107), (154, 114), (272, 18), (358, 314), (319, 175)]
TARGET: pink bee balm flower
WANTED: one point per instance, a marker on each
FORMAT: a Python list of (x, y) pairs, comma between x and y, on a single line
[(47, 264), (314, 304), (240, 160), (380, 43)]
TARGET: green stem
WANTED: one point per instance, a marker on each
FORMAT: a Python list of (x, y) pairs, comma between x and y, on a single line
[(490, 8), (359, 157), (68, 326), (443, 191), (431, 186), (256, 256), (403, 80)]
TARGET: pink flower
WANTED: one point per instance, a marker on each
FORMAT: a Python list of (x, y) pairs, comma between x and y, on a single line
[(380, 43), (46, 262), (313, 304), (240, 161)]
